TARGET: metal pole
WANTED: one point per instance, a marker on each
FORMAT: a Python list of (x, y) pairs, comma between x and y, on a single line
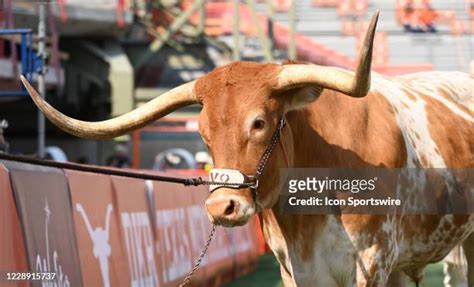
[(236, 31), (271, 15), (41, 84), (267, 53), (292, 40), (202, 18)]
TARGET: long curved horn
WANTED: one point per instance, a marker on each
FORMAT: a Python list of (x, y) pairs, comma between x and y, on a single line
[(160, 106), (357, 85)]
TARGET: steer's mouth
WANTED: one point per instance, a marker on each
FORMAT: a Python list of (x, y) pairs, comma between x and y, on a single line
[(230, 207)]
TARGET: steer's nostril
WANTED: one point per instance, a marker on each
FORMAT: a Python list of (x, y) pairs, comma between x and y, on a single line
[(230, 208)]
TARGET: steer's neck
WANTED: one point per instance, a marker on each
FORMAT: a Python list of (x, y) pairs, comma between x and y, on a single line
[(316, 143), (339, 131)]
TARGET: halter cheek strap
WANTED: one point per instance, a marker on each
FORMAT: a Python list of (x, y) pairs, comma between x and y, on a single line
[(235, 179), (283, 151)]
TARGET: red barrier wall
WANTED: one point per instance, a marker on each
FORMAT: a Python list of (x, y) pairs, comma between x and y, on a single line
[(99, 230), (175, 230), (12, 249), (42, 199)]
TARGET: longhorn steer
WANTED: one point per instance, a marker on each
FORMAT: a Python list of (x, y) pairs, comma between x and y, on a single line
[(333, 120)]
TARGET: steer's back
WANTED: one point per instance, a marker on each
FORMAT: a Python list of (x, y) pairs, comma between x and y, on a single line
[(435, 112)]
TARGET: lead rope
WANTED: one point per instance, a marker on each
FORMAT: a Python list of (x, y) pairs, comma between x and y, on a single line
[(113, 171), (188, 277)]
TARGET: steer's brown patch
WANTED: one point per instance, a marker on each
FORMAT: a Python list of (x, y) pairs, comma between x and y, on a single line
[(454, 137)]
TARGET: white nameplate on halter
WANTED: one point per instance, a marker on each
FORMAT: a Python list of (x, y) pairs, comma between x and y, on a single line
[(222, 175)]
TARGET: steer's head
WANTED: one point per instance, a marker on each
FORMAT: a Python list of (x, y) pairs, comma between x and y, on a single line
[(242, 104)]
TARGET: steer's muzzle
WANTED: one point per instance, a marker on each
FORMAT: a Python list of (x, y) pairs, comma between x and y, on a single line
[(230, 207)]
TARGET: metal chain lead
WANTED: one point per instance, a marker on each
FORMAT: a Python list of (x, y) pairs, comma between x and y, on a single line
[(188, 277)]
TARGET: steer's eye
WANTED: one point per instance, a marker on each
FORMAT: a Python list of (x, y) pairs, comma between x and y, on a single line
[(258, 124)]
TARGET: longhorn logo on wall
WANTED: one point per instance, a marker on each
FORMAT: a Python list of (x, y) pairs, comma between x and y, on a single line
[(100, 239), (45, 264)]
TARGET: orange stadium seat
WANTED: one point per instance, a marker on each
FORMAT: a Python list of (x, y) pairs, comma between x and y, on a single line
[(282, 5), (352, 7), (400, 9), (420, 10), (214, 27), (446, 16), (456, 27), (402, 5), (326, 3), (347, 27), (353, 27), (449, 17)]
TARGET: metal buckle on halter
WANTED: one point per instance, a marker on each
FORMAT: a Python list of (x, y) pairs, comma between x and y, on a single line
[(254, 184), (282, 122)]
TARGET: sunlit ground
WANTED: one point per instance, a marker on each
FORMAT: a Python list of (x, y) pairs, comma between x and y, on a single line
[(268, 275)]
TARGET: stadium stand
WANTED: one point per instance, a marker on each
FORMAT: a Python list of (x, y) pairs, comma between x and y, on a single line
[(450, 48)]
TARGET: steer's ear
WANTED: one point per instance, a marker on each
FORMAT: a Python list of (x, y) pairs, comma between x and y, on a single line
[(298, 98)]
